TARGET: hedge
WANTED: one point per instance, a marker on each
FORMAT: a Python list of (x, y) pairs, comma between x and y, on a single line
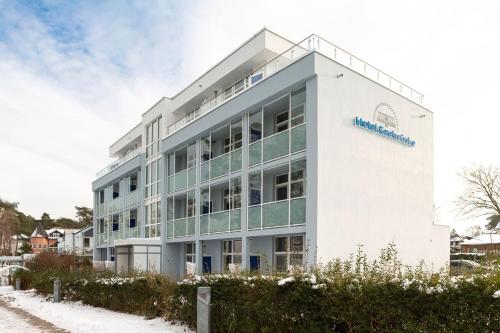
[(344, 296)]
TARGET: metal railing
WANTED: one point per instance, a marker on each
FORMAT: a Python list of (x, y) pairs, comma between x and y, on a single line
[(312, 43), (130, 155)]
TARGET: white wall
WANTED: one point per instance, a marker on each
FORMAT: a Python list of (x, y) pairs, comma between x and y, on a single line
[(372, 190)]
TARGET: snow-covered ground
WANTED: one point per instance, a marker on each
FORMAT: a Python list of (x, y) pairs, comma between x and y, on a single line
[(76, 317), (12, 323)]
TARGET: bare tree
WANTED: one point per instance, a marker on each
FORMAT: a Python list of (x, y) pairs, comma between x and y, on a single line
[(481, 196)]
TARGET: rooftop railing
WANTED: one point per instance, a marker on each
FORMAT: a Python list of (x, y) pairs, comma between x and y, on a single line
[(130, 155), (312, 43)]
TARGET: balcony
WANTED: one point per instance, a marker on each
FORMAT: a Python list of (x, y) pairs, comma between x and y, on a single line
[(312, 43), (221, 165), (284, 213), (223, 221), (130, 155)]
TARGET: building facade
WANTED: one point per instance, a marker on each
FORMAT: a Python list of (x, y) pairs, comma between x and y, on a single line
[(282, 155), (78, 242)]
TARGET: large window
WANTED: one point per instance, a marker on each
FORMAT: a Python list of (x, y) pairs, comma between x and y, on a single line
[(153, 178), (231, 253), (191, 252), (288, 253), (153, 136), (153, 219)]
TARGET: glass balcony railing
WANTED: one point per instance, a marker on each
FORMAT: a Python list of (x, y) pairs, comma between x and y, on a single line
[(254, 153), (181, 227), (182, 179), (298, 138), (221, 165), (224, 221), (277, 214), (277, 145), (119, 162)]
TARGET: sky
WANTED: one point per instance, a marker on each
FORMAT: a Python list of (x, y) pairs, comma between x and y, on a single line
[(76, 75)]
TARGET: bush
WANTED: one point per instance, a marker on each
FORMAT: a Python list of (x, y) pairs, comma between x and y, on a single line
[(344, 296)]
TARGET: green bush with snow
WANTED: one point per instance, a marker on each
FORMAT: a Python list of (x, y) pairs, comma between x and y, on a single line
[(344, 296)]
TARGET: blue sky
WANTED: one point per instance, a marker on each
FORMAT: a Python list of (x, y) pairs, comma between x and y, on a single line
[(76, 75)]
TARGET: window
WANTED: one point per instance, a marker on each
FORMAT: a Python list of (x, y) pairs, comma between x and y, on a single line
[(133, 183), (298, 100), (281, 122), (101, 196), (281, 187), (132, 222), (297, 178), (206, 204), (101, 226), (153, 219), (86, 242), (255, 126), (153, 135), (205, 149), (116, 222), (190, 252), (191, 204), (191, 156), (116, 190), (153, 178), (231, 253), (288, 252), (256, 77), (254, 189)]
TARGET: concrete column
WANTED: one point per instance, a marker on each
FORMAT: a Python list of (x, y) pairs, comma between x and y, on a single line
[(203, 310), (163, 219), (199, 257), (245, 255), (57, 291), (312, 172)]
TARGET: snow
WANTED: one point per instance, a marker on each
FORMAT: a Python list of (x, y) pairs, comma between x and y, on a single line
[(12, 323), (79, 318)]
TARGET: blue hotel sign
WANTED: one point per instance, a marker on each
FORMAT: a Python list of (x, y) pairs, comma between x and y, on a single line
[(380, 130)]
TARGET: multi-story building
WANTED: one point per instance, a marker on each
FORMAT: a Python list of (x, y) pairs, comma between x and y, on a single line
[(280, 155)]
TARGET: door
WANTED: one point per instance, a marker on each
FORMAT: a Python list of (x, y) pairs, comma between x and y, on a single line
[(207, 264), (254, 263)]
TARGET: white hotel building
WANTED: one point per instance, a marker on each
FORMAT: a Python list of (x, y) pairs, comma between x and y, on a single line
[(280, 155)]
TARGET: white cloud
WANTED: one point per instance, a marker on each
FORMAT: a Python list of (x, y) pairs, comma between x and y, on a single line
[(68, 94)]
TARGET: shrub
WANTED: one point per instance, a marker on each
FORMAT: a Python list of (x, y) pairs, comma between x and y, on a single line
[(344, 296)]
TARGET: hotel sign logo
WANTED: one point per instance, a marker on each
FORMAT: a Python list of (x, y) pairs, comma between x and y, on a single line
[(385, 123)]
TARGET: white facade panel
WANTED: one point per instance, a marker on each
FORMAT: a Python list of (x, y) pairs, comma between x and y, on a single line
[(372, 190)]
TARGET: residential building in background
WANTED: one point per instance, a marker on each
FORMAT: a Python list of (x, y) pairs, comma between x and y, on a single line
[(281, 155), (40, 240), (78, 242), (483, 244)]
